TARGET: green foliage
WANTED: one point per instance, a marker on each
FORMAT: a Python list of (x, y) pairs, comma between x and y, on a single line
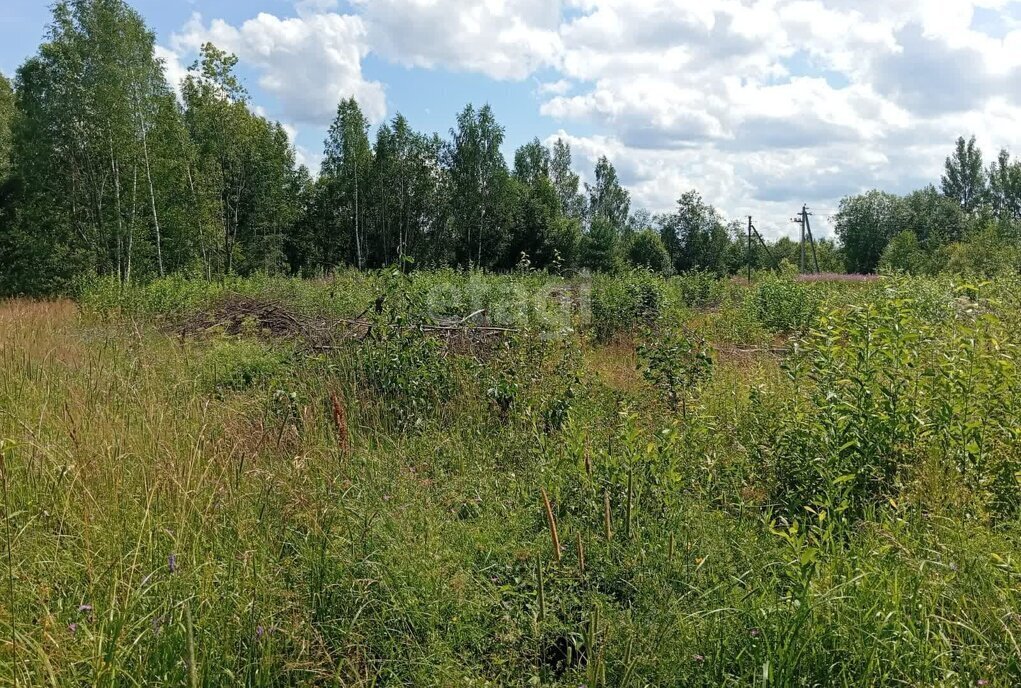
[(600, 246), (7, 111), (875, 401), (698, 289), (146, 188), (865, 224), (407, 374), (843, 502), (608, 201), (783, 304), (965, 178), (695, 235), (247, 185), (402, 366), (478, 178), (1005, 189), (237, 365), (95, 92), (538, 231), (645, 249), (624, 302), (904, 254), (985, 253), (830, 256), (934, 219), (676, 362), (566, 181), (532, 163)]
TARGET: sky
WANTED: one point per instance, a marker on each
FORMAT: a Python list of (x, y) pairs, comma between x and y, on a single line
[(760, 105)]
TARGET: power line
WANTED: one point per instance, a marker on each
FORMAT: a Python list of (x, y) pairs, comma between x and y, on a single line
[(753, 231), (806, 232)]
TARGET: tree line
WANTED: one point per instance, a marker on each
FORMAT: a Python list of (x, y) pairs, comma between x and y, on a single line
[(971, 223), (106, 170)]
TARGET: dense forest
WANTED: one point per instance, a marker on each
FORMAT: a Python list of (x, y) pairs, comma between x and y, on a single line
[(105, 170)]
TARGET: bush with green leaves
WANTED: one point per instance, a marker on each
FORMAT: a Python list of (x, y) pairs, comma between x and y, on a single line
[(699, 288), (645, 249), (234, 365), (676, 362), (904, 254), (784, 305), (882, 387), (401, 364), (623, 302), (986, 252), (841, 511)]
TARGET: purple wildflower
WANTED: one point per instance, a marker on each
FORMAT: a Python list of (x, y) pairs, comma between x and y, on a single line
[(754, 632), (983, 682), (259, 631), (172, 563), (698, 658), (85, 607), (73, 627)]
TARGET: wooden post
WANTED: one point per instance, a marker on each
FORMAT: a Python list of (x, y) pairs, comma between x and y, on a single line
[(749, 249)]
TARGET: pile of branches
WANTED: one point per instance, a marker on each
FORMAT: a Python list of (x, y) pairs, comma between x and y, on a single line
[(237, 314)]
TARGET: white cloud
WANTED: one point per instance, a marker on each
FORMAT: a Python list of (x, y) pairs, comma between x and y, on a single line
[(555, 88), (308, 63), (503, 39), (759, 104), (172, 67), (765, 104)]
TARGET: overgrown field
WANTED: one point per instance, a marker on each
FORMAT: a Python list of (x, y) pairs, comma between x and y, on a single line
[(465, 480)]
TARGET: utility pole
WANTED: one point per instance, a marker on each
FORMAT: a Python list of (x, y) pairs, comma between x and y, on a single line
[(808, 228), (802, 223), (751, 231), (806, 232), (800, 220), (749, 249)]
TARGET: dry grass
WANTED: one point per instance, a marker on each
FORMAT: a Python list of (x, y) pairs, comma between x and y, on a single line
[(615, 365)]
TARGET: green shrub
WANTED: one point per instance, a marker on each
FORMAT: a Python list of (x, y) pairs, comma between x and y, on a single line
[(397, 360), (676, 362), (904, 254), (623, 302), (986, 253), (699, 288), (784, 305), (238, 364), (881, 388), (646, 250)]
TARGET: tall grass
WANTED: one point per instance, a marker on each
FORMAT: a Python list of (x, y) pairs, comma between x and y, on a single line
[(218, 509)]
